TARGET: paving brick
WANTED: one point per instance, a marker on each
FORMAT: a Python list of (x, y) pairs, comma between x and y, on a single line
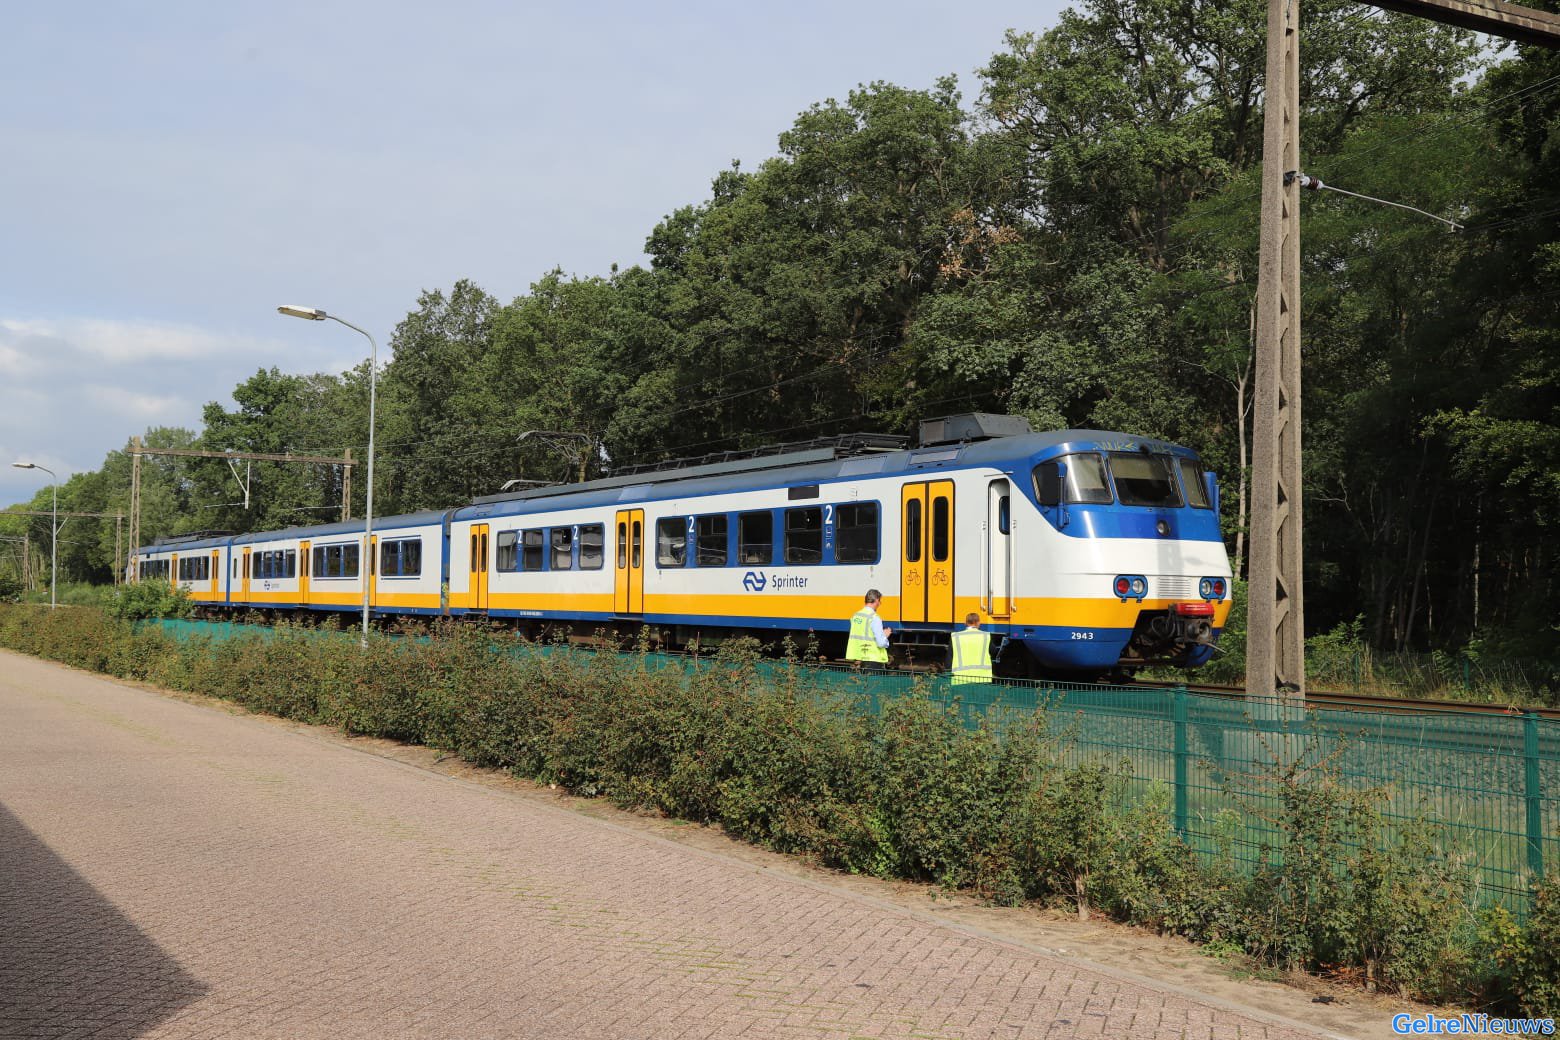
[(168, 870)]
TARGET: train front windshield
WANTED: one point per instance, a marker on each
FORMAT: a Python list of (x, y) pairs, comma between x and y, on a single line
[(1144, 480)]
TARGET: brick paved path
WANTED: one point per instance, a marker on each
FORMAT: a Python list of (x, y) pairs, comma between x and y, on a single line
[(170, 870)]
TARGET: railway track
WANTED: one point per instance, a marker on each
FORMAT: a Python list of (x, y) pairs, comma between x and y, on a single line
[(1324, 701)]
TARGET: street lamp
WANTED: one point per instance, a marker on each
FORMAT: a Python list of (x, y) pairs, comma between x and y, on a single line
[(367, 570), (54, 529)]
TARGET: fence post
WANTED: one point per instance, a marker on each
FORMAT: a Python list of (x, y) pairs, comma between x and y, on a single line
[(1181, 755), (1535, 796)]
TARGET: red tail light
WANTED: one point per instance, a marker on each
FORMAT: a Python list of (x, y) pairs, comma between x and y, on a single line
[(1194, 609)]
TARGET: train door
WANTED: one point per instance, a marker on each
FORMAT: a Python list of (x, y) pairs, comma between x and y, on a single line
[(173, 570), (246, 574), (373, 570), (303, 573), (216, 573), (998, 591), (479, 567), (926, 553), (628, 542)]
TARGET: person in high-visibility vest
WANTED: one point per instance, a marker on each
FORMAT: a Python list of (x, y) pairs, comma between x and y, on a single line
[(971, 653), (868, 635)]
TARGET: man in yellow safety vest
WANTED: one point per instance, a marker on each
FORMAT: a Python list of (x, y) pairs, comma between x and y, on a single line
[(971, 653), (868, 636)]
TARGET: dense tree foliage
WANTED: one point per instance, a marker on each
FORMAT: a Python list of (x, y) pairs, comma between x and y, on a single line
[(1075, 243)]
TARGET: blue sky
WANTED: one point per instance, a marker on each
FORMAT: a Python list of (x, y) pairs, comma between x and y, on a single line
[(173, 171)]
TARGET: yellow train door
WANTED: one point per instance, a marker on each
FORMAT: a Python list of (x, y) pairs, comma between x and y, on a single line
[(303, 573), (479, 567), (246, 575), (629, 560), (912, 556), (373, 570), (926, 553), (216, 573)]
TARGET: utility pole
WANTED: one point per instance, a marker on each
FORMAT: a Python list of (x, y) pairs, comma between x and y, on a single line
[(135, 506), (346, 486), (1275, 637), (1275, 634)]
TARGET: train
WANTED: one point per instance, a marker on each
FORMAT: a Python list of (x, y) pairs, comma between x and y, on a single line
[(1083, 552)]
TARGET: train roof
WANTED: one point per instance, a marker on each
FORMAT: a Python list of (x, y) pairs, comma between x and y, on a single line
[(851, 457), (312, 531), (181, 542), (809, 466)]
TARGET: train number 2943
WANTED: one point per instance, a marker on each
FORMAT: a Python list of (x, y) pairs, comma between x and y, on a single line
[(1083, 635)]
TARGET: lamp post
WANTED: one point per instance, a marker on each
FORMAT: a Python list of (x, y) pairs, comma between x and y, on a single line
[(367, 570), (54, 528)]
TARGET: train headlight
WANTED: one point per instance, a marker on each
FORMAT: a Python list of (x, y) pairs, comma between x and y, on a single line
[(1130, 586), (1212, 588)]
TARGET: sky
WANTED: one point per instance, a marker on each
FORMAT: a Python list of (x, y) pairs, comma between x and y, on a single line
[(173, 171)]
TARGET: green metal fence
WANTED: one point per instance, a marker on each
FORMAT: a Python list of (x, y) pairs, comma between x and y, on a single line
[(1489, 784)]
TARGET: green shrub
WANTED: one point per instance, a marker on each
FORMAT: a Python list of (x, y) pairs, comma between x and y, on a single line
[(1526, 958), (149, 599)]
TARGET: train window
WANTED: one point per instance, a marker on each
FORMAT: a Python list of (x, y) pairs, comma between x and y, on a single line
[(940, 527), (1004, 514), (671, 541), (349, 561), (319, 562), (508, 556), (1194, 480), (1084, 482), (591, 545), (401, 558), (636, 545), (913, 531), (290, 566), (755, 538), (804, 535), (856, 533), (1144, 480), (562, 548), (711, 536), (533, 549), (622, 545)]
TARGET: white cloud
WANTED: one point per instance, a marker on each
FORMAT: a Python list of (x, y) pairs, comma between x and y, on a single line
[(112, 342), (73, 388), (148, 408)]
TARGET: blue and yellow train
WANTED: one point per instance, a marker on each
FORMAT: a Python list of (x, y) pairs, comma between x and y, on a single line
[(1083, 551)]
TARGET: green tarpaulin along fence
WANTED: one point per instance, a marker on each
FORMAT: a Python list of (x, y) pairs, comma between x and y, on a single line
[(1488, 784)]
